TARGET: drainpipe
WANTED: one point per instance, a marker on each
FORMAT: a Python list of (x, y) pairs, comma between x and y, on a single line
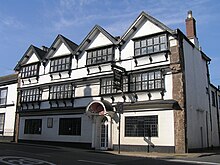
[(210, 113), (217, 109)]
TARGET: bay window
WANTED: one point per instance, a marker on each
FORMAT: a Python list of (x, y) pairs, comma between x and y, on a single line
[(150, 45)]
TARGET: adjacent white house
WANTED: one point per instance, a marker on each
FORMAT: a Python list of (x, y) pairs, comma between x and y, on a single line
[(8, 100), (147, 90)]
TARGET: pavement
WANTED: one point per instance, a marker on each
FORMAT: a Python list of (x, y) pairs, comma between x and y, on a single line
[(196, 154)]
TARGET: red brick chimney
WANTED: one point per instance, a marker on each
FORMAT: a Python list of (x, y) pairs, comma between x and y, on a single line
[(190, 26)]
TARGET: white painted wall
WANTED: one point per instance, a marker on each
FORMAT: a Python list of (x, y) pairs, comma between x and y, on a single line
[(10, 110), (52, 134), (33, 58), (196, 97), (165, 129)]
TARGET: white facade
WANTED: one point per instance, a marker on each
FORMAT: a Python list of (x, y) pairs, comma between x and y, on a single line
[(70, 98), (8, 89)]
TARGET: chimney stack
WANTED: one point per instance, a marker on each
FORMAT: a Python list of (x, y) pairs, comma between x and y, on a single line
[(190, 26)]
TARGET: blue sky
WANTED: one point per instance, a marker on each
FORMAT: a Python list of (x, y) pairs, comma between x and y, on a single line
[(38, 22)]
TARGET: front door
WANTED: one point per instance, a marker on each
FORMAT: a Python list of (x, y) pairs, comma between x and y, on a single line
[(104, 134)]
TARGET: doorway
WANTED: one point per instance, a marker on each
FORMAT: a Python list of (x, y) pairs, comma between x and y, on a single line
[(104, 134)]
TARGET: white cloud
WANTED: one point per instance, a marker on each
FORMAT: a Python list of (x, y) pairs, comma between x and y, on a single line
[(10, 22)]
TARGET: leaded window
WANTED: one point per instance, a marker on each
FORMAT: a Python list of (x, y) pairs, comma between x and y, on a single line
[(30, 70), (60, 64), (100, 56), (3, 96), (146, 81), (150, 45), (141, 126), (31, 95), (63, 91), (70, 126), (33, 126), (107, 85)]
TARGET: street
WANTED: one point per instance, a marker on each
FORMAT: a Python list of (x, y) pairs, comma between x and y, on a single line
[(24, 154)]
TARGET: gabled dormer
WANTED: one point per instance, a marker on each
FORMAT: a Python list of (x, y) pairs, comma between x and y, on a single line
[(96, 49), (58, 61), (29, 65), (147, 39)]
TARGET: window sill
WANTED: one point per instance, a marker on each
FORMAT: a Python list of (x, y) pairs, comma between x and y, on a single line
[(66, 70), (149, 54), (90, 65)]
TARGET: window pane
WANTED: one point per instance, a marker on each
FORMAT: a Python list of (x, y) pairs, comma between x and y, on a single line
[(150, 42), (163, 39), (137, 44), (137, 52), (150, 49), (144, 51), (143, 43), (156, 40)]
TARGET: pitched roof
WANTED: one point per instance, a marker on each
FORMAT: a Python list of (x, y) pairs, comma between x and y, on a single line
[(90, 35), (70, 45), (8, 79), (137, 22), (39, 53)]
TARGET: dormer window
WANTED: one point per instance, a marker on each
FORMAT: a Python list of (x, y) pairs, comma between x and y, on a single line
[(149, 45), (100, 55), (30, 70), (60, 64)]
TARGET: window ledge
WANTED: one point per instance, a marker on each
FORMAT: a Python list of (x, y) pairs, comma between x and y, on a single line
[(90, 65), (149, 54)]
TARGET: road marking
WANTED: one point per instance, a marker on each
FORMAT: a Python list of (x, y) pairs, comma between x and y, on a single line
[(15, 160), (28, 153), (88, 161), (194, 162)]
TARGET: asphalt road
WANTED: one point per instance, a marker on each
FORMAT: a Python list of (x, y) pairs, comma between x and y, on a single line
[(23, 154)]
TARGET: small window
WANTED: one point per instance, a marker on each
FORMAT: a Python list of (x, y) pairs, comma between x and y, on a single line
[(2, 123), (33, 126), (148, 45), (141, 126), (30, 70), (100, 56), (60, 64), (70, 126), (219, 101), (49, 122), (3, 96), (213, 99)]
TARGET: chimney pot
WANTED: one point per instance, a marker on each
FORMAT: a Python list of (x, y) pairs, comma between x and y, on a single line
[(189, 14)]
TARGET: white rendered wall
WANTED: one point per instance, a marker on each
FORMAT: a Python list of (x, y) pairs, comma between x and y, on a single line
[(10, 110), (165, 129), (32, 59), (196, 97), (52, 134)]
